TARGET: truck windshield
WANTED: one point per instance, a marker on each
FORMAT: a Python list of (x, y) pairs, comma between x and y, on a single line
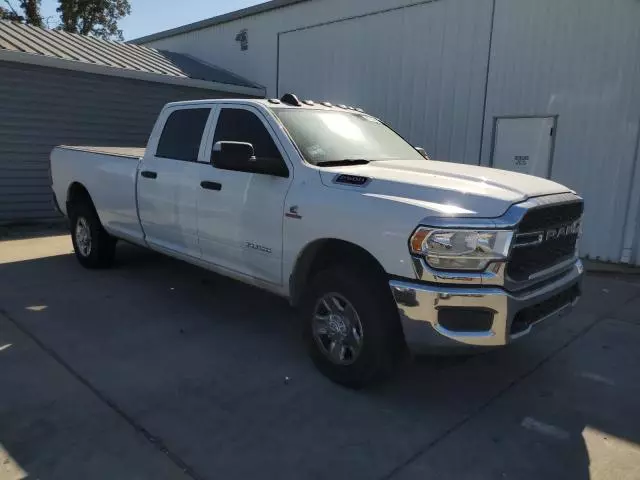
[(343, 138)]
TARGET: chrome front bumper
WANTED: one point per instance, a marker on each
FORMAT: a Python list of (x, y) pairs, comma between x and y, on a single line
[(420, 303)]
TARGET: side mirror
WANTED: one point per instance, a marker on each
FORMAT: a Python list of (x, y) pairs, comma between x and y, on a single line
[(240, 157), (231, 155), (422, 152)]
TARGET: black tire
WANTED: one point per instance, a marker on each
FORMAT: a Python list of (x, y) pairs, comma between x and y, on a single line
[(381, 339), (101, 245)]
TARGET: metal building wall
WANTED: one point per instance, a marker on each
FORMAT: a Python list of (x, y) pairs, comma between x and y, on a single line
[(218, 45), (420, 68), (42, 107), (580, 60)]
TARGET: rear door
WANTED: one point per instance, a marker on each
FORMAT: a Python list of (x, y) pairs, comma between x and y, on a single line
[(168, 182), (240, 219)]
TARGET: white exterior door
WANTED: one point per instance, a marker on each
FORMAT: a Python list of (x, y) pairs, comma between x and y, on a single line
[(240, 213), (524, 145), (168, 183)]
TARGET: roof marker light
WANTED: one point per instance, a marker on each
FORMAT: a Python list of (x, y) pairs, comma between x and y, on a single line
[(290, 99)]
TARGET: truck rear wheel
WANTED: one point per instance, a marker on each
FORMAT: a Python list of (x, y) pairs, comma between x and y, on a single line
[(351, 326), (93, 246)]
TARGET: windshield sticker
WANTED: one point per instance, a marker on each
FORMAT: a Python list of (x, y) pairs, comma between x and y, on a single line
[(315, 151)]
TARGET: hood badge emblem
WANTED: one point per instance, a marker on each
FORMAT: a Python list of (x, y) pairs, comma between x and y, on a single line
[(354, 180)]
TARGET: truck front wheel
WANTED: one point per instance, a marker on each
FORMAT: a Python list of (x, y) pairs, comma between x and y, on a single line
[(351, 326), (93, 246)]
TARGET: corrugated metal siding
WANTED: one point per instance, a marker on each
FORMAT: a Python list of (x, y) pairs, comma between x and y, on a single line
[(419, 68), (580, 60), (260, 60), (43, 107)]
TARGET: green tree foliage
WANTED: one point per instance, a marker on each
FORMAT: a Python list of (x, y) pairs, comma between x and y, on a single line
[(30, 12), (8, 14), (98, 18), (93, 17)]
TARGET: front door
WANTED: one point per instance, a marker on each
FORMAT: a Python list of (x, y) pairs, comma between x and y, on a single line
[(240, 213), (167, 183), (524, 145)]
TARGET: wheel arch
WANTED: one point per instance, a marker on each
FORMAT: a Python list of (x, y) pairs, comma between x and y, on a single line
[(77, 193), (323, 253)]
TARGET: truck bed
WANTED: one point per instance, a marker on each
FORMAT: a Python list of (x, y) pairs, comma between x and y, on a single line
[(130, 152), (109, 174)]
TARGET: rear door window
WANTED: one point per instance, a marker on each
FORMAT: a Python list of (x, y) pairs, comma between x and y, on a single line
[(182, 134)]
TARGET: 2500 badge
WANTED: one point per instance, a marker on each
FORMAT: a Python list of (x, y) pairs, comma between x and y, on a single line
[(255, 246)]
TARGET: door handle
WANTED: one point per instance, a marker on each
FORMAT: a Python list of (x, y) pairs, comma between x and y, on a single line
[(211, 185), (148, 174)]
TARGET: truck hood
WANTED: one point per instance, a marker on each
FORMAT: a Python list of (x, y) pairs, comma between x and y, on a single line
[(448, 189)]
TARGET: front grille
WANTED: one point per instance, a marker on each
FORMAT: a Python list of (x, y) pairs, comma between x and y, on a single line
[(526, 260), (530, 315), (549, 216)]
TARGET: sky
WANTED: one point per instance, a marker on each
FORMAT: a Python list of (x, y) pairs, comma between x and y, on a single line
[(151, 16)]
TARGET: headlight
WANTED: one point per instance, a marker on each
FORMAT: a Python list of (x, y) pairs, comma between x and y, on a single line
[(460, 249)]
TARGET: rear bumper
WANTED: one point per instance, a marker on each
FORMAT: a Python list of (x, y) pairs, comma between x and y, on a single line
[(490, 317)]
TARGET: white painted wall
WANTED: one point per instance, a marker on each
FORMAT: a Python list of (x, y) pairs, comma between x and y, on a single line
[(580, 60), (423, 69), (217, 44)]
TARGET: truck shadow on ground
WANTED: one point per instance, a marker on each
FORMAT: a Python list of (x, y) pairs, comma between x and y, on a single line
[(216, 371)]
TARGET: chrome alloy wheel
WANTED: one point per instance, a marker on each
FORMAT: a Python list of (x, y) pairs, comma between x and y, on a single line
[(83, 236), (337, 329)]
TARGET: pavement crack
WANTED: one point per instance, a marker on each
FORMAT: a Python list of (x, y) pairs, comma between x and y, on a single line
[(157, 442), (502, 392)]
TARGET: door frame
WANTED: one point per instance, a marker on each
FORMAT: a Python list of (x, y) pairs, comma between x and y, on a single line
[(280, 141), (150, 155), (552, 147)]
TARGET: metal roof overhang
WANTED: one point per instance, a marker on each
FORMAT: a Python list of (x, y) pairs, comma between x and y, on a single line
[(53, 62)]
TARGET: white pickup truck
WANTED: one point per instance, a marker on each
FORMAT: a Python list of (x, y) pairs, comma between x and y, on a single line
[(383, 250)]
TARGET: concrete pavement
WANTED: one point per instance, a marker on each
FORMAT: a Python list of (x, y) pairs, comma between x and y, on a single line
[(156, 369)]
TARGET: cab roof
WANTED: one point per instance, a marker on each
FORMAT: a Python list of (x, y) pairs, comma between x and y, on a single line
[(288, 101)]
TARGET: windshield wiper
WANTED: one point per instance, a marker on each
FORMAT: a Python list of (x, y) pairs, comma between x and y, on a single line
[(344, 161)]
